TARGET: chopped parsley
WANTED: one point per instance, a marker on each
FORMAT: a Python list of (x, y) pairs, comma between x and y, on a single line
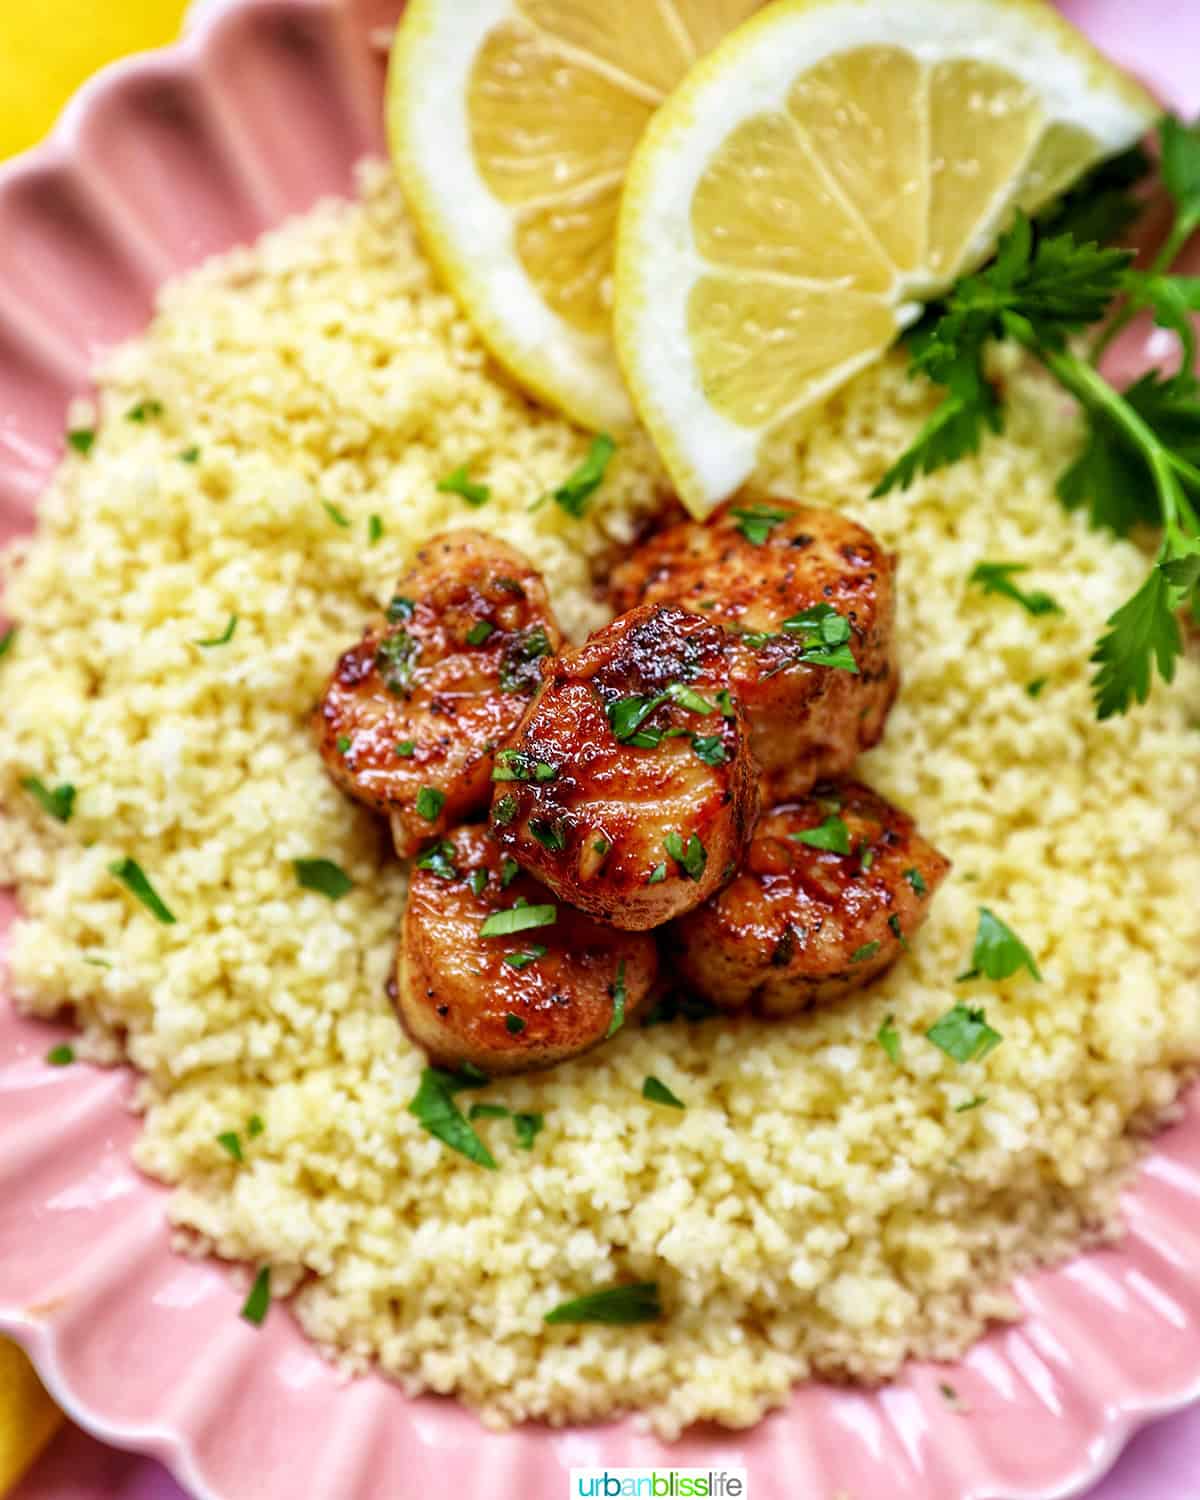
[(405, 749), (552, 836), (430, 802), (998, 952), (513, 1024), (488, 1112), (832, 834), (866, 859), (479, 632), (756, 522), (400, 608), (231, 1141), (224, 638), (617, 990), (459, 482), (964, 1034), (519, 918), (133, 878), (519, 670), (868, 950), (725, 703), (438, 859), (826, 637), (509, 870), (505, 809), (691, 858), (917, 881), (657, 1092), (656, 875), (627, 715), (889, 1038), (7, 639), (896, 930), (58, 801), (710, 748), (255, 1126), (577, 489), (515, 765), (338, 517), (973, 1103), (601, 847), (435, 1109), (61, 1056), (527, 1127), (254, 1310), (521, 960), (633, 1302), (81, 439), (323, 876), (1034, 688), (395, 660), (343, 744), (190, 455), (997, 578), (374, 529), (143, 411), (478, 880)]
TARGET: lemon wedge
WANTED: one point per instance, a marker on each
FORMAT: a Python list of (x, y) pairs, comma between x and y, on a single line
[(511, 124), (829, 166)]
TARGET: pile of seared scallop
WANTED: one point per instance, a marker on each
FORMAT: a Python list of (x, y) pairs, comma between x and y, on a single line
[(664, 808)]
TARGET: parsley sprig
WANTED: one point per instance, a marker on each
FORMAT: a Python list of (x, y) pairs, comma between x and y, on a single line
[(1140, 461)]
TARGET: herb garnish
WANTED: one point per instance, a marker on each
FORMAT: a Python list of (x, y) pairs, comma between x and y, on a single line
[(691, 858), (133, 878), (254, 1310), (527, 1127), (521, 960), (434, 1108), (438, 859), (232, 1143), (430, 802), (1034, 688), (627, 715), (633, 1302), (577, 489), (459, 482), (518, 918), (7, 639), (81, 439), (972, 1103), (254, 1126), (509, 870), (374, 529), (998, 951), (710, 748), (756, 522), (617, 990), (997, 578), (400, 608), (338, 517), (868, 950), (143, 411), (552, 836), (1140, 462), (896, 930), (917, 881), (519, 672), (395, 660), (826, 637), (505, 809), (478, 880), (889, 1038), (513, 1024), (61, 1056), (405, 748), (659, 873), (657, 1092), (190, 455), (515, 765), (964, 1034), (479, 632), (323, 876), (58, 801), (488, 1112), (224, 638), (832, 834), (343, 744)]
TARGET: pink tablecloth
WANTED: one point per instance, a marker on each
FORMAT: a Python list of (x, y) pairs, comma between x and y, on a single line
[(1160, 39)]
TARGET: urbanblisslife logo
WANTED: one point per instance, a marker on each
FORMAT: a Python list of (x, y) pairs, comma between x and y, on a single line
[(658, 1484)]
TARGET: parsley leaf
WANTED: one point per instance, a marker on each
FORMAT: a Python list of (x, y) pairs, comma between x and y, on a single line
[(518, 918), (438, 859), (58, 801), (889, 1038), (231, 1141), (81, 439), (143, 411), (826, 637), (396, 660), (519, 670), (964, 1034), (710, 748), (633, 1302), (7, 639), (134, 879), (458, 482), (399, 608), (657, 1092), (691, 858), (1141, 634), (479, 632), (255, 1307), (917, 881), (61, 1056), (515, 765), (577, 489), (374, 529), (324, 877), (521, 960), (551, 835), (224, 638), (435, 1109), (658, 874), (756, 522), (868, 950), (513, 1024), (832, 834), (527, 1127), (338, 517), (405, 749), (998, 951), (509, 870), (618, 993), (430, 801), (997, 578)]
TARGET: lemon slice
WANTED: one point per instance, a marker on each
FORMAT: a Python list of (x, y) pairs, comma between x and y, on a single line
[(511, 124), (829, 165)]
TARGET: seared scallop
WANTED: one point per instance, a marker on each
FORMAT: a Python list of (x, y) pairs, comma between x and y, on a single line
[(492, 971), (806, 596), (413, 713), (831, 892), (629, 788)]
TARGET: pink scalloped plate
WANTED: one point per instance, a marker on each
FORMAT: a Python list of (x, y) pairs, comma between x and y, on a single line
[(157, 163)]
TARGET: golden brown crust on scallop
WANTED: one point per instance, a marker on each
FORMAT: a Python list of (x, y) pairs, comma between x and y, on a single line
[(420, 702), (460, 997), (801, 925), (807, 722), (604, 821)]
